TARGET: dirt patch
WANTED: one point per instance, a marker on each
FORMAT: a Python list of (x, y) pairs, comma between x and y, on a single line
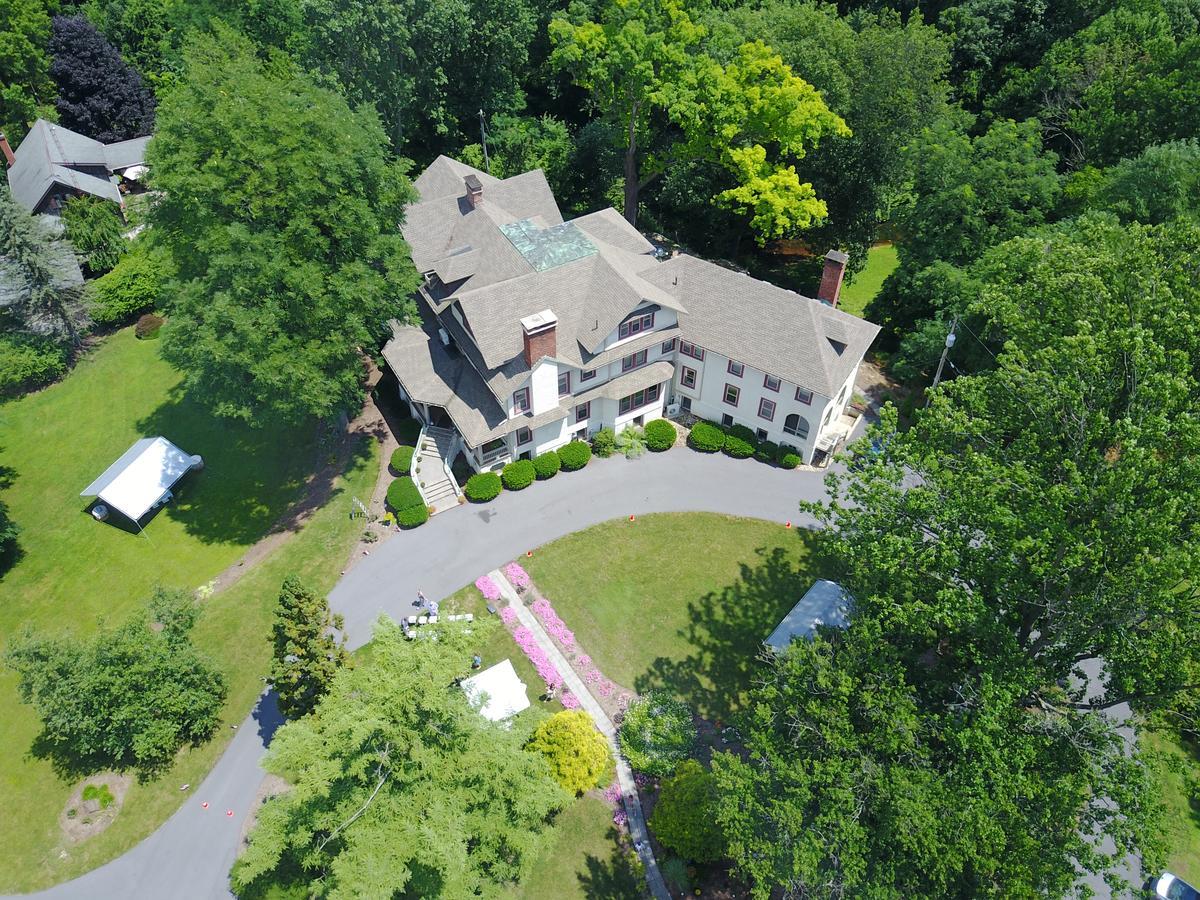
[(82, 819)]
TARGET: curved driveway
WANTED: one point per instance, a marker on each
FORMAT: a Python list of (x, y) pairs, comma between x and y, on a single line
[(189, 856)]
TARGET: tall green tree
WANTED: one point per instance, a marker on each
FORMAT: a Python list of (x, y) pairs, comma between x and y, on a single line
[(517, 144), (399, 787), (280, 209), (646, 69), (25, 87), (306, 654), (95, 230), (126, 697)]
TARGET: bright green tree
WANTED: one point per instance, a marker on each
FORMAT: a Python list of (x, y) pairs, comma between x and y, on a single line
[(126, 697), (25, 87), (95, 230), (279, 208), (306, 655), (684, 818), (518, 144), (399, 787), (577, 753), (644, 65), (1159, 185)]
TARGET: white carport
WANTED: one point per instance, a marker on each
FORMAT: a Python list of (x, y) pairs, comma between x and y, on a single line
[(497, 692), (825, 603), (142, 478)]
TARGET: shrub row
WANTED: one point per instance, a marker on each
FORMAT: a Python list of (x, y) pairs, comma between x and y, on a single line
[(547, 465), (483, 487), (405, 500), (660, 435), (740, 442), (518, 475)]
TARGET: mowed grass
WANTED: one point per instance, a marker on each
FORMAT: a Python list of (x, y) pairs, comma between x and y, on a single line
[(75, 571), (681, 601), (1176, 770), (881, 262)]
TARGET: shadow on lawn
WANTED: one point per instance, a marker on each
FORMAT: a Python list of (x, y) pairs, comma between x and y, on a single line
[(251, 475), (614, 878), (727, 629)]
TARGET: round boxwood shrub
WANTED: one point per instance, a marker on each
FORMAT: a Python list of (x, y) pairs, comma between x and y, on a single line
[(706, 437), (402, 460), (660, 435), (767, 452), (574, 455), (518, 475), (403, 494), (413, 516), (546, 465), (789, 460), (578, 755), (657, 733), (737, 447), (482, 487)]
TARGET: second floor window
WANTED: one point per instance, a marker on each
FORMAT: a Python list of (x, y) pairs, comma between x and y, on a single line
[(732, 392), (583, 411), (736, 368), (640, 399), (669, 346), (564, 383), (633, 361), (766, 409), (687, 377), (587, 374), (803, 396), (524, 436), (521, 400), (691, 350), (771, 383), (636, 325)]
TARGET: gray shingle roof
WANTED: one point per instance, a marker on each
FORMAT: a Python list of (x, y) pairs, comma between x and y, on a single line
[(624, 385), (51, 154), (765, 326)]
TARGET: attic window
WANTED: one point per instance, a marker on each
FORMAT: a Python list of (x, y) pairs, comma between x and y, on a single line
[(838, 347)]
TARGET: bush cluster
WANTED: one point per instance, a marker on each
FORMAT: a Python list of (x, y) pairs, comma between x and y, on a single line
[(574, 455), (767, 451), (789, 460), (657, 733), (482, 487), (738, 447), (660, 435), (706, 437), (28, 362), (405, 500), (402, 458), (546, 465), (133, 287), (684, 817), (413, 516), (604, 443), (518, 475)]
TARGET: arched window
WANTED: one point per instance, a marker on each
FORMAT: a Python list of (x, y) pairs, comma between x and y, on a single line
[(797, 425)]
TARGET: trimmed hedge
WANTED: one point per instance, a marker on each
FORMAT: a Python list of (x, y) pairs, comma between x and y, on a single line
[(738, 448), (28, 362), (413, 516), (768, 451), (574, 455), (402, 458), (518, 475), (402, 494), (482, 487), (546, 465), (660, 435), (742, 433), (604, 443), (706, 437), (789, 460)]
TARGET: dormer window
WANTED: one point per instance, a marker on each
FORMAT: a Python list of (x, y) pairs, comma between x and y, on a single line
[(633, 361), (636, 325), (521, 400), (564, 383)]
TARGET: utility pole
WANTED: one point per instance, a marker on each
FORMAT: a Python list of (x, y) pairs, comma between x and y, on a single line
[(951, 338), (487, 163)]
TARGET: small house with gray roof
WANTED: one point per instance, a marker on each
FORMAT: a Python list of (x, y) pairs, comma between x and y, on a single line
[(54, 164), (536, 331)]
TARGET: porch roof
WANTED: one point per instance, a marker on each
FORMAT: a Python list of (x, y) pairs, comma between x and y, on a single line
[(624, 385)]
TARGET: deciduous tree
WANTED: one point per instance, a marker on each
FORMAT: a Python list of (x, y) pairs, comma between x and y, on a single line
[(684, 818), (306, 654), (25, 85)]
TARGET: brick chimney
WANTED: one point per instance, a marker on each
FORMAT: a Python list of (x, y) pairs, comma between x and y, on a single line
[(474, 189), (9, 156), (540, 340), (831, 278)]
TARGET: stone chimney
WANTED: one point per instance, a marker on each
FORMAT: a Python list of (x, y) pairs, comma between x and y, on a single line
[(831, 278), (9, 156), (540, 340), (474, 189)]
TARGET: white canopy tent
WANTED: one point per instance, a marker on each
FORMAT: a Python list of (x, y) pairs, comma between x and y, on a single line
[(143, 476), (825, 603), (497, 692)]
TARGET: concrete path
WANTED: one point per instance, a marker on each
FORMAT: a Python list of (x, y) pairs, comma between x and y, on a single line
[(573, 683)]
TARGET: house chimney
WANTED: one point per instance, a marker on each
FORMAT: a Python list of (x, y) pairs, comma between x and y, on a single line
[(9, 156), (474, 189), (540, 340), (831, 278)]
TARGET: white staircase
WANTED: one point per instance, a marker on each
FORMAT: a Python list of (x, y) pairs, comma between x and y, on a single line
[(438, 486)]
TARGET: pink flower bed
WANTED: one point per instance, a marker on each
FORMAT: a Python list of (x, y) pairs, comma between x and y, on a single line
[(569, 700), (545, 669), (612, 794), (488, 588), (518, 576), (584, 661), (555, 627), (508, 615)]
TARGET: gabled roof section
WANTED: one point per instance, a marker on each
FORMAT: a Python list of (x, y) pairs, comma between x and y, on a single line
[(124, 154), (765, 326), (445, 177), (51, 154), (546, 247)]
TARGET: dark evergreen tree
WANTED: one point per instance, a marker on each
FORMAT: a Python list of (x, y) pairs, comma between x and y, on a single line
[(99, 94), (306, 654)]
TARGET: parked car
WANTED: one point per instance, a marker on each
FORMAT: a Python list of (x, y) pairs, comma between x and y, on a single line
[(1172, 887)]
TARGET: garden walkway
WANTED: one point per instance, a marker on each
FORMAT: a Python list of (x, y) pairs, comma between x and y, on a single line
[(573, 683)]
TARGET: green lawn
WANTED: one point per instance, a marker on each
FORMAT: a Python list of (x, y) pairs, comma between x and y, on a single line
[(1176, 769), (681, 601), (75, 571), (881, 262)]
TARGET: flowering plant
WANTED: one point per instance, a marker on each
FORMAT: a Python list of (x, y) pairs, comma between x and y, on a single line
[(555, 627), (569, 700), (487, 587), (528, 644), (508, 615), (518, 576)]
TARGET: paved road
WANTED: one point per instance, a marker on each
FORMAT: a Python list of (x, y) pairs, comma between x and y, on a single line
[(189, 856)]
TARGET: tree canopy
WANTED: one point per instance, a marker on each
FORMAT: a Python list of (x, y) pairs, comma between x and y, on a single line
[(280, 209), (399, 787), (25, 85)]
